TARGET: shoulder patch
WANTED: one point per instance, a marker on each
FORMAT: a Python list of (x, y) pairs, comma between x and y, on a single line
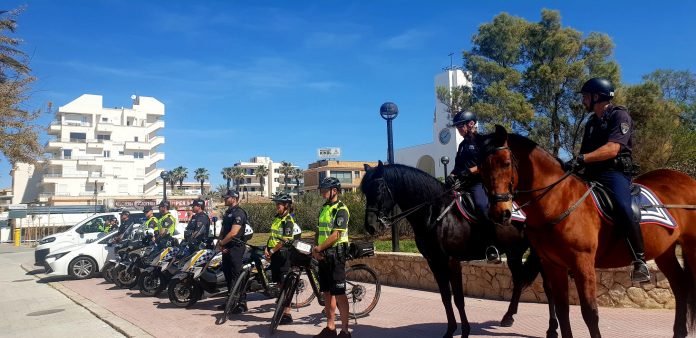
[(624, 127)]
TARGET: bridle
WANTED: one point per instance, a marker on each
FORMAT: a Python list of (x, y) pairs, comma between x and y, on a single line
[(510, 194)]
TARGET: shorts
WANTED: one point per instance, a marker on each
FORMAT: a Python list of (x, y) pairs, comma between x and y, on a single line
[(332, 275)]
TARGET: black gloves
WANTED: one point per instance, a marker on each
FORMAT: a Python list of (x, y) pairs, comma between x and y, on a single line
[(575, 164), (451, 181)]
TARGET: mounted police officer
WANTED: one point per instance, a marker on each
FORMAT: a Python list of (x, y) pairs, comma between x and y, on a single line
[(167, 222), (231, 243), (283, 229), (331, 251), (605, 155), (199, 225), (466, 174)]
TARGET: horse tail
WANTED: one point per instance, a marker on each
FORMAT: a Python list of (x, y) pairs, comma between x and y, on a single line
[(530, 269)]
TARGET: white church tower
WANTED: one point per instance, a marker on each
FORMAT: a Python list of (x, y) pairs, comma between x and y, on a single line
[(427, 157)]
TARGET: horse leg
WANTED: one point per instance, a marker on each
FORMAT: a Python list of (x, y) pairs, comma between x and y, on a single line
[(514, 261), (441, 274), (688, 246), (458, 293), (558, 287), (669, 265), (586, 284), (553, 321)]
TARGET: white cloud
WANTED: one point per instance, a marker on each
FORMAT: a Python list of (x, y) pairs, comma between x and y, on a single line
[(412, 38)]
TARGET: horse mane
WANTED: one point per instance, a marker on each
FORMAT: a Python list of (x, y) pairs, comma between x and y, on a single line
[(408, 180), (488, 146)]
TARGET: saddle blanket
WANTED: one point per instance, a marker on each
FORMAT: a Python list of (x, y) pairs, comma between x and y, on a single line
[(646, 200)]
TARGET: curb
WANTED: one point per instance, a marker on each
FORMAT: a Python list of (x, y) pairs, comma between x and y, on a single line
[(119, 324)]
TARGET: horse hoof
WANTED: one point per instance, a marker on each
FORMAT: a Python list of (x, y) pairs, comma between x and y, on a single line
[(507, 321)]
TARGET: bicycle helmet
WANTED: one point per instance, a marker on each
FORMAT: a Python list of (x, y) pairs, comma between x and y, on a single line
[(330, 182), (282, 197)]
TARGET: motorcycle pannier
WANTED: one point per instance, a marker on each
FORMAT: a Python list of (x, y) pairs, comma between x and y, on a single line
[(361, 249)]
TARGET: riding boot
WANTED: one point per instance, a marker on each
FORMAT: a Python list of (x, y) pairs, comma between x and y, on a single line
[(640, 273)]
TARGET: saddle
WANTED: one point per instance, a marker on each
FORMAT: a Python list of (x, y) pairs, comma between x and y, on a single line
[(642, 198)]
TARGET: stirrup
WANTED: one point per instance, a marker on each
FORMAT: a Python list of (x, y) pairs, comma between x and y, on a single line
[(492, 255), (640, 272)]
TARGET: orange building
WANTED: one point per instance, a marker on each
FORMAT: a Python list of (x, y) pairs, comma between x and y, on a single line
[(350, 173)]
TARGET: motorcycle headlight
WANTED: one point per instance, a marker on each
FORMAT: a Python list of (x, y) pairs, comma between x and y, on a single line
[(58, 255), (47, 240)]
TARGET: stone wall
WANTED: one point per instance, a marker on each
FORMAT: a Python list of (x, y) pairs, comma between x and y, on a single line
[(490, 281)]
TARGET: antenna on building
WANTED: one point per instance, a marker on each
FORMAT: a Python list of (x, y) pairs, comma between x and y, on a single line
[(451, 66)]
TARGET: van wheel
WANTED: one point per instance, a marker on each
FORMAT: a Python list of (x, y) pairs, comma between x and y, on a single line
[(82, 267)]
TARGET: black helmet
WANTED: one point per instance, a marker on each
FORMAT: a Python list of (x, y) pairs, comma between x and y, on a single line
[(330, 182), (282, 197), (600, 86), (231, 193), (462, 118), (164, 203)]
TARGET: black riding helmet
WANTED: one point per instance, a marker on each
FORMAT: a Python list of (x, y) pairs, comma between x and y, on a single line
[(599, 86), (282, 197), (330, 182), (462, 118)]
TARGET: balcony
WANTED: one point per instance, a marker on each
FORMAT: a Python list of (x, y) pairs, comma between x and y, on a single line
[(154, 158), (156, 141), (54, 128), (138, 145), (88, 160), (105, 126), (154, 126), (152, 175), (95, 144)]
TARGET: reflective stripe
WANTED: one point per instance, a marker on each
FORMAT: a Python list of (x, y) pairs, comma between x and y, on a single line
[(326, 221), (277, 231)]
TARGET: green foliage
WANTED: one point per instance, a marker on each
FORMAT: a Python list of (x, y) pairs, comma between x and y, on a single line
[(525, 76), (405, 245)]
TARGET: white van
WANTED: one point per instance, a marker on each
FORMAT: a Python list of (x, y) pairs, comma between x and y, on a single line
[(87, 231)]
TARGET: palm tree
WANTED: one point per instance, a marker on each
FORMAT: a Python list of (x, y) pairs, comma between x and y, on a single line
[(8, 52), (261, 172), (201, 175), (180, 174), (227, 175), (298, 174), (238, 175), (286, 169)]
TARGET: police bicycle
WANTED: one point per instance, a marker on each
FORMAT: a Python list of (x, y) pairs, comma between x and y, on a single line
[(362, 284)]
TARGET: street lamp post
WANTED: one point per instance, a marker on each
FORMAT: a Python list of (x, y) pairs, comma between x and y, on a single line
[(95, 196), (444, 160), (165, 177), (389, 111)]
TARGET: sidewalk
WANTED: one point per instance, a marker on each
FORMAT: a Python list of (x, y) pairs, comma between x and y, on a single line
[(31, 309)]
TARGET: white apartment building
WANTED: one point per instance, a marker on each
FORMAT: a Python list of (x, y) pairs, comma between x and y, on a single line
[(97, 153), (446, 140), (274, 182)]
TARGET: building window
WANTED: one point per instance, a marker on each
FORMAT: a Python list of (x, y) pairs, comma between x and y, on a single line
[(103, 137), (343, 176), (357, 174), (135, 139), (121, 153), (78, 137), (67, 154), (104, 119), (138, 154), (123, 188), (107, 153)]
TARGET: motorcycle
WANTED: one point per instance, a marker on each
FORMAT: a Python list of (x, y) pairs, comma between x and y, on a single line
[(201, 273), (154, 279), (132, 259)]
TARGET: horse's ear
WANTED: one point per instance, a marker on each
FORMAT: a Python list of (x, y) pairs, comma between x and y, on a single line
[(379, 163), (367, 167), (501, 135)]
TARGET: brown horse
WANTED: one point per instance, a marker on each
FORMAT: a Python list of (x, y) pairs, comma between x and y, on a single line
[(568, 233)]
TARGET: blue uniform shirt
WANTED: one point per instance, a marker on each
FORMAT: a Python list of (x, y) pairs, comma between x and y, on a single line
[(616, 126), (467, 157)]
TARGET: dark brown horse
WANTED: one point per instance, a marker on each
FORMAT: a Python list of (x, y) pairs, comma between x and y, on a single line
[(443, 236), (582, 240)]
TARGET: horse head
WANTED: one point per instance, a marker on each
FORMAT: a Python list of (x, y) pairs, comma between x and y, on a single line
[(499, 174), (379, 199)]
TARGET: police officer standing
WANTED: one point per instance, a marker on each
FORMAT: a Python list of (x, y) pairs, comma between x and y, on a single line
[(282, 230), (167, 222), (199, 225), (331, 251), (126, 224), (466, 173), (231, 243), (606, 155)]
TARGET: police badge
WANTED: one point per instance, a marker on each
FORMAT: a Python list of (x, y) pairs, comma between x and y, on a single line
[(624, 127)]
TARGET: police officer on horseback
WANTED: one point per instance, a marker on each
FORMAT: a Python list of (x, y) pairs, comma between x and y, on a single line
[(605, 156), (465, 175)]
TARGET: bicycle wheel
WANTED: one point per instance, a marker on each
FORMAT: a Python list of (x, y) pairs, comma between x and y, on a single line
[(362, 289), (236, 293), (283, 300), (303, 295)]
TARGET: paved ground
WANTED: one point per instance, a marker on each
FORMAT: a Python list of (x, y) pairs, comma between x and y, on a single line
[(400, 313), (32, 309)]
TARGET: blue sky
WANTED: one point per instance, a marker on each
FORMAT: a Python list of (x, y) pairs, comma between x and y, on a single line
[(283, 78)]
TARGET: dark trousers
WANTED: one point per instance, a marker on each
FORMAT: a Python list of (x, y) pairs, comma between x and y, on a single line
[(618, 186), (232, 265), (478, 194)]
